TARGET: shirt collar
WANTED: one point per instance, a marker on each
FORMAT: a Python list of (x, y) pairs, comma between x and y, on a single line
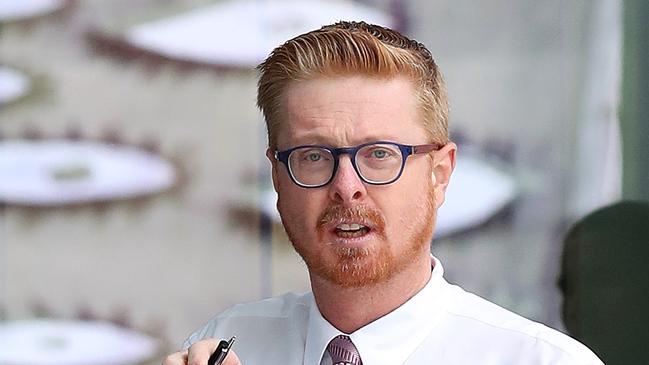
[(390, 339)]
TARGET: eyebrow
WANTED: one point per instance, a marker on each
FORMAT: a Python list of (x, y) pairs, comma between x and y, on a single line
[(317, 139)]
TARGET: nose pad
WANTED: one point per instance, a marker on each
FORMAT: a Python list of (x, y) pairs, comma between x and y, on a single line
[(346, 185)]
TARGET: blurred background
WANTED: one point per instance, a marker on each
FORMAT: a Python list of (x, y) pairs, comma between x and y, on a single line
[(135, 199)]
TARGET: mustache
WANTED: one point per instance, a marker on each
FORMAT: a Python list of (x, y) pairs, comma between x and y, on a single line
[(359, 213)]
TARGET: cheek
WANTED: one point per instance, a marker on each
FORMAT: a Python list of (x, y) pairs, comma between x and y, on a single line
[(398, 214), (299, 207), (406, 206)]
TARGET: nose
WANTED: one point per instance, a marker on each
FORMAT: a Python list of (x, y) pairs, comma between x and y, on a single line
[(346, 186)]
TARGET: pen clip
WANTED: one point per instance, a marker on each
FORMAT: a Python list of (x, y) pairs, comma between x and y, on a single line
[(230, 343), (221, 352)]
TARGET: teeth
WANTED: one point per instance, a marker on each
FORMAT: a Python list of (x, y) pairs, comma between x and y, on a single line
[(349, 227)]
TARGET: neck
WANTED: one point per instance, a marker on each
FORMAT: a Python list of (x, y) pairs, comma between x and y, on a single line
[(349, 309)]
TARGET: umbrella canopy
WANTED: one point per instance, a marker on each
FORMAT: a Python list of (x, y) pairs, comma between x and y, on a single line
[(13, 10), (13, 85), (241, 34), (62, 172), (58, 342)]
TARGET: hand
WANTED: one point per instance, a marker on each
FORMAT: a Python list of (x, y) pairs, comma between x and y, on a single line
[(198, 353)]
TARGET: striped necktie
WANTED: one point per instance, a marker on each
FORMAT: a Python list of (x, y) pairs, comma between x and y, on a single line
[(343, 351)]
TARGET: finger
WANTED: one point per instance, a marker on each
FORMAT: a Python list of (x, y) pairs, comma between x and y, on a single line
[(200, 352), (231, 359), (177, 358)]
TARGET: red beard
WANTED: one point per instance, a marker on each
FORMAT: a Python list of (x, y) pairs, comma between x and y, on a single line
[(357, 267)]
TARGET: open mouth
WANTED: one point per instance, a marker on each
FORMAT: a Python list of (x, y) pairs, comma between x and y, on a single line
[(351, 230)]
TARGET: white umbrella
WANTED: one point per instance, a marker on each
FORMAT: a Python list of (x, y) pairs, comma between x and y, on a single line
[(13, 85), (58, 342), (243, 33), (60, 172), (477, 191), (12, 10)]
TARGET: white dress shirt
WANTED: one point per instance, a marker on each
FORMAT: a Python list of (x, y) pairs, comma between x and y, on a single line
[(442, 324)]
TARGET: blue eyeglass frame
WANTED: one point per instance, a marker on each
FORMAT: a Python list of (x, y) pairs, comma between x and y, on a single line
[(406, 150)]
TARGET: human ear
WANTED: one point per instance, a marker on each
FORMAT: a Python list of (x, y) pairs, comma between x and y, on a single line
[(443, 166), (273, 162)]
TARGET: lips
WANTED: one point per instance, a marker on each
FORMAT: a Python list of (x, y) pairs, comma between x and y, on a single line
[(351, 230), (350, 225)]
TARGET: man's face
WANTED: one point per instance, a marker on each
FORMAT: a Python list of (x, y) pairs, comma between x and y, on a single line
[(349, 232)]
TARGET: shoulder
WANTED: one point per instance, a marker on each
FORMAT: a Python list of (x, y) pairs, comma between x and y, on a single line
[(244, 320), (509, 332), (275, 307)]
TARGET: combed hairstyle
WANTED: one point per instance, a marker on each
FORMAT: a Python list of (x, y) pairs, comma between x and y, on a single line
[(353, 48)]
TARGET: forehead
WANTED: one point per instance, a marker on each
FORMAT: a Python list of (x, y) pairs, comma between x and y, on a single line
[(345, 111)]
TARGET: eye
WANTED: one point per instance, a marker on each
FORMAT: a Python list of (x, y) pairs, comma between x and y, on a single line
[(314, 157), (378, 153)]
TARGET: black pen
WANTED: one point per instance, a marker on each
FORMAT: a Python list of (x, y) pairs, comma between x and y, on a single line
[(221, 352)]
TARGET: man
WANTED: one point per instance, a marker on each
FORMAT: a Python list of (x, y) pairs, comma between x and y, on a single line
[(358, 143)]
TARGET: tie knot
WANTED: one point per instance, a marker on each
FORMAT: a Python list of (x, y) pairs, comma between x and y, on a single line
[(343, 352)]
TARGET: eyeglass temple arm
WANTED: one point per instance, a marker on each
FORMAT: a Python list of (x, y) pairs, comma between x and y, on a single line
[(425, 148)]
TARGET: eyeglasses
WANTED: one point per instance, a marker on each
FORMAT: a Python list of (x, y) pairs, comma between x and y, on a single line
[(376, 163)]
